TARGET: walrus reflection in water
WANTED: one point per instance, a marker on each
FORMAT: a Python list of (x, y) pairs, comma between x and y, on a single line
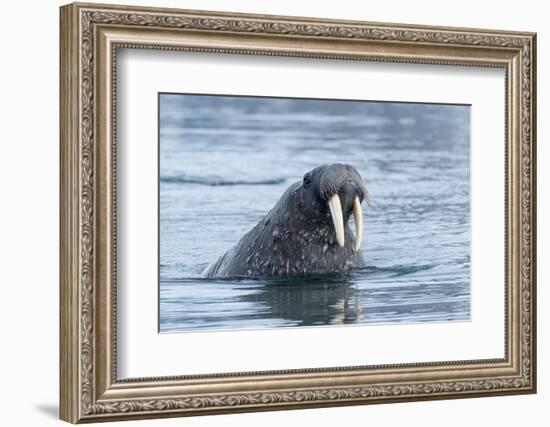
[(306, 232)]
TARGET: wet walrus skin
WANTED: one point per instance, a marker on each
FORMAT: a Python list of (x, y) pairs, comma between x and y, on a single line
[(306, 232)]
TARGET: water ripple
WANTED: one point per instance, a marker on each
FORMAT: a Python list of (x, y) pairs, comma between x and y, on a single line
[(214, 181)]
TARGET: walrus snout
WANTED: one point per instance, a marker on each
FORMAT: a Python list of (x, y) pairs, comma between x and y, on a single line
[(336, 176), (343, 188)]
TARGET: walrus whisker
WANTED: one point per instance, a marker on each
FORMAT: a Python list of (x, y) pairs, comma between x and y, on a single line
[(337, 218), (358, 217)]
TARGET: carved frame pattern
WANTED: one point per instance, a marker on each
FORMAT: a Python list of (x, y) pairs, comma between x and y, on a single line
[(80, 400)]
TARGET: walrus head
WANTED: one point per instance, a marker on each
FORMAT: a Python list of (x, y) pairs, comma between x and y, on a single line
[(306, 232), (338, 190)]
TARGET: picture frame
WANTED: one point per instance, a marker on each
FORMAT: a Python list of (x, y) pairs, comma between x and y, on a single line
[(91, 37)]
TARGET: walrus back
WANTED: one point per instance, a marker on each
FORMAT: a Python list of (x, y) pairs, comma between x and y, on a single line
[(213, 269), (236, 261)]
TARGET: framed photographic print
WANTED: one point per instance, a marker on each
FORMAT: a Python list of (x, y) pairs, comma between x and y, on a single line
[(265, 212)]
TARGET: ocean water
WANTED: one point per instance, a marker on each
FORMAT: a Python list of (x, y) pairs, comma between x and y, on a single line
[(225, 161)]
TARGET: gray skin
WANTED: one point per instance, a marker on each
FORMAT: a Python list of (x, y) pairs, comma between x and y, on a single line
[(297, 235)]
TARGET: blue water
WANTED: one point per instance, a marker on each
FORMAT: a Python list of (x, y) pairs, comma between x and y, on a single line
[(225, 161)]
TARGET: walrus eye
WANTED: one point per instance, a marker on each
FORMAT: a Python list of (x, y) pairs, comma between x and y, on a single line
[(307, 180)]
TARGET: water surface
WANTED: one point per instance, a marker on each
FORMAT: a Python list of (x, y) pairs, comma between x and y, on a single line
[(225, 161)]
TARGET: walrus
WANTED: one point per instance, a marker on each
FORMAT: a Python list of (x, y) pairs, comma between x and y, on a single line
[(306, 232)]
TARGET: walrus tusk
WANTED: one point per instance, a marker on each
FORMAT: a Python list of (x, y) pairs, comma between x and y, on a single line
[(358, 217), (337, 218)]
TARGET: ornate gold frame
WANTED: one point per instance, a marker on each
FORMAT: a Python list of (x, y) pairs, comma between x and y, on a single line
[(90, 36)]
